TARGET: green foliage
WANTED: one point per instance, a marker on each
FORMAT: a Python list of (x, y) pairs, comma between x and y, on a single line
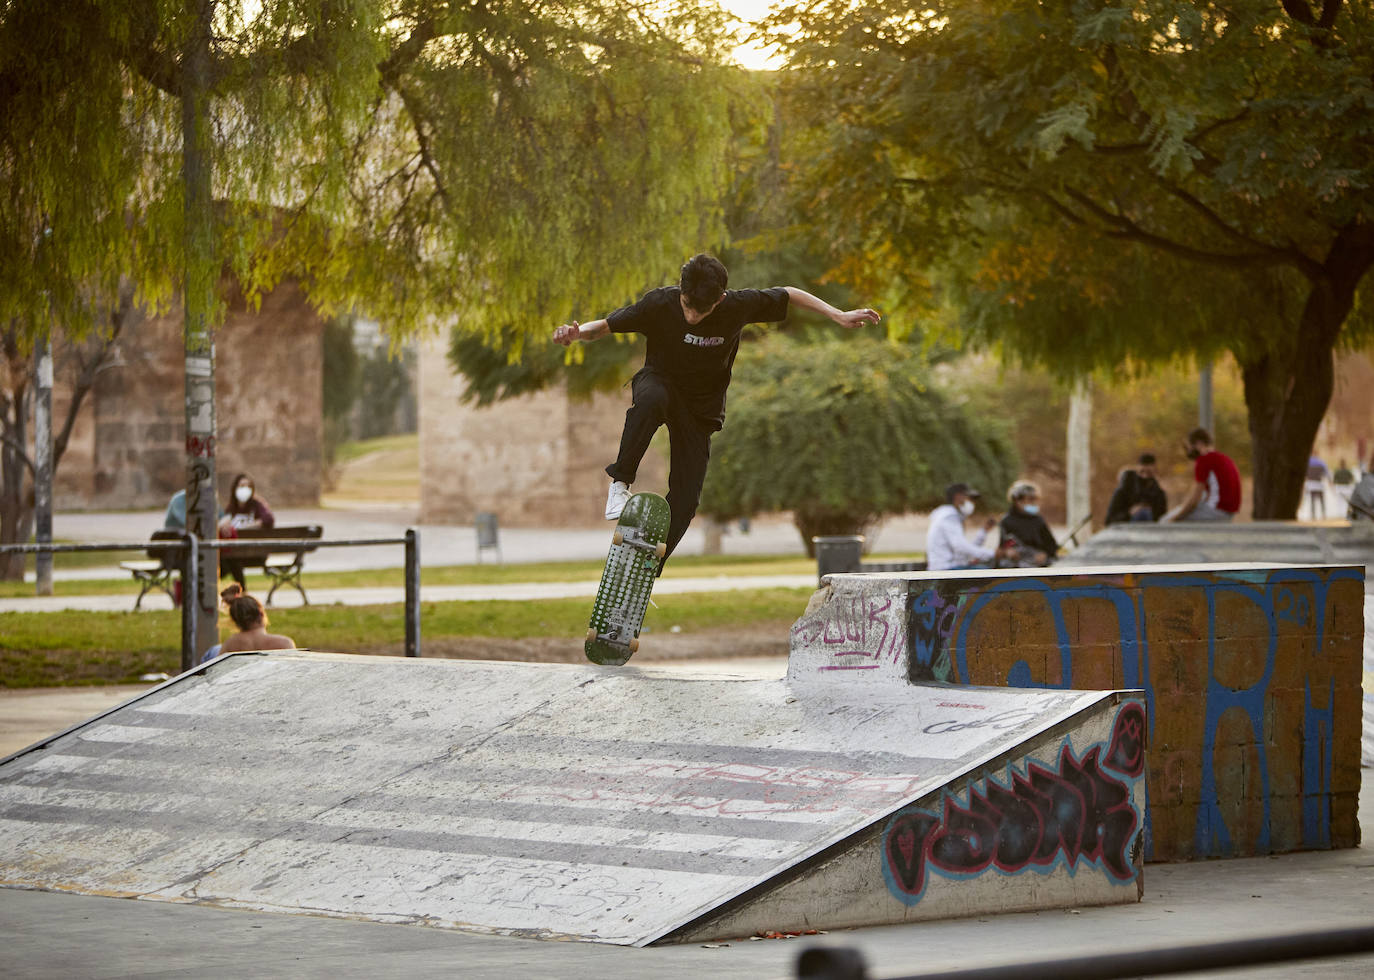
[(1223, 137), (341, 368), (341, 381), (841, 433), (1086, 184), (491, 374), (384, 384), (506, 162)]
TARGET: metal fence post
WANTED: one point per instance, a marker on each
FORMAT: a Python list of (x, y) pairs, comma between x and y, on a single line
[(412, 592), (190, 601)]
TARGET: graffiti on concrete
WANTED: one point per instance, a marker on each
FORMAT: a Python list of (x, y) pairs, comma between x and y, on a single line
[(856, 631), (933, 615), (1238, 669), (1078, 812)]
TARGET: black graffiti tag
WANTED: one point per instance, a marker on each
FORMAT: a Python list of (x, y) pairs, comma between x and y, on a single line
[(1077, 811)]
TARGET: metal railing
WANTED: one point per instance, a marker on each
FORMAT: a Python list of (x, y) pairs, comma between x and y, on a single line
[(187, 560), (845, 962)]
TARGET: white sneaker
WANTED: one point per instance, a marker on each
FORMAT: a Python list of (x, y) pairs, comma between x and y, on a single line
[(616, 499)]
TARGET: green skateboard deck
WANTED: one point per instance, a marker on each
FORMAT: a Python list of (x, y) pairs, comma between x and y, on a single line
[(631, 567)]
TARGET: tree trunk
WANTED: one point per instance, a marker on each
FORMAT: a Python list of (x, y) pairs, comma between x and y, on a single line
[(16, 487), (1286, 396), (1287, 390)]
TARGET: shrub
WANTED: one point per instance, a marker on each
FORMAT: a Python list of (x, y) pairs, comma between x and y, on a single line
[(843, 432)]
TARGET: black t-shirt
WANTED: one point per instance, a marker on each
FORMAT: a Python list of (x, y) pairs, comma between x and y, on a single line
[(697, 359)]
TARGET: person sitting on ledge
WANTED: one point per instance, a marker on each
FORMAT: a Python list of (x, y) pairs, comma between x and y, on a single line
[(947, 547), (1215, 494), (1027, 541)]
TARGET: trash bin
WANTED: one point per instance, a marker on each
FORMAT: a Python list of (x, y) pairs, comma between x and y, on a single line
[(840, 553)]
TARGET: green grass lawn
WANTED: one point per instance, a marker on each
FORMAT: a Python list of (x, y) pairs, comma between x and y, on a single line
[(78, 647), (349, 451)]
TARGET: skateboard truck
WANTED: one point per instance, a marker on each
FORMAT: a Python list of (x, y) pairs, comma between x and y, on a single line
[(635, 538), (613, 635)]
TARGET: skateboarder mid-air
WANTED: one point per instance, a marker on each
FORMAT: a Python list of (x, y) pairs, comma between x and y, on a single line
[(693, 332)]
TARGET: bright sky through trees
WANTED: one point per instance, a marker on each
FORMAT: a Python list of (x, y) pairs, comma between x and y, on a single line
[(752, 55)]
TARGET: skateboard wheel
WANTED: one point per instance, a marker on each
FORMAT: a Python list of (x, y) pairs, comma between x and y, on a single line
[(634, 644), (660, 549), (617, 538), (591, 633)]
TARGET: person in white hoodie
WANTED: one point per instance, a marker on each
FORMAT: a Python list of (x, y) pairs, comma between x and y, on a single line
[(947, 546)]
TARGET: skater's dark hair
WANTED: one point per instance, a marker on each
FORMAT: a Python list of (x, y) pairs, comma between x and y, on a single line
[(703, 281), (244, 610), (1201, 435)]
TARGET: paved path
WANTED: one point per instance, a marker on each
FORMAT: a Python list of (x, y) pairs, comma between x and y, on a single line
[(515, 591), (48, 935), (444, 544)]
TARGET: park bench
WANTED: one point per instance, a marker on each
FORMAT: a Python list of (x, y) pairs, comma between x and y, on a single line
[(283, 567), (155, 571)]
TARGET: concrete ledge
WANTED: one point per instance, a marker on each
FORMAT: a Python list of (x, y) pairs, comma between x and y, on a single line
[(1271, 542), (1251, 673)]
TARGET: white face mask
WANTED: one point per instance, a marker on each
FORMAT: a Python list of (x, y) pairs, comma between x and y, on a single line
[(966, 507), (243, 494), (1030, 508)]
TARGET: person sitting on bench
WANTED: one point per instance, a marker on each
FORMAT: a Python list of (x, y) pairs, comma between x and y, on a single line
[(245, 510)]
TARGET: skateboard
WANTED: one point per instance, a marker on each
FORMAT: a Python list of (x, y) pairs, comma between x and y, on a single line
[(637, 545)]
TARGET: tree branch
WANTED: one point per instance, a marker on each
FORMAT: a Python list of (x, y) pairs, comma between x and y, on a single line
[(1220, 223), (1120, 226), (19, 450), (157, 67)]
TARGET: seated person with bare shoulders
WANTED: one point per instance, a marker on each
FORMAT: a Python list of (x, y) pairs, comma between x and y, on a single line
[(251, 620)]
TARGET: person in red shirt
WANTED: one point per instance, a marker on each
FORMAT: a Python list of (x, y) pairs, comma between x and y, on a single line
[(1215, 494)]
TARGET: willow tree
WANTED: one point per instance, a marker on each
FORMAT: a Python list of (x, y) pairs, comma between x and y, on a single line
[(500, 163), (1231, 141)]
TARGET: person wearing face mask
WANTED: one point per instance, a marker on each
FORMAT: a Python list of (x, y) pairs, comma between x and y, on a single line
[(1027, 541), (1215, 494), (947, 547), (245, 510)]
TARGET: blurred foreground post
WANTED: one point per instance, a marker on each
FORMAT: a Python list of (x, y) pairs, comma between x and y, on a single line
[(1078, 492), (43, 466)]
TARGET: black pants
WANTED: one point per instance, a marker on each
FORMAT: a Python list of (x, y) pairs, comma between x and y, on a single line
[(657, 403)]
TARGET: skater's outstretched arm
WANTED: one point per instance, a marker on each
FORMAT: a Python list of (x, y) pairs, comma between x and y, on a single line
[(569, 332), (850, 319)]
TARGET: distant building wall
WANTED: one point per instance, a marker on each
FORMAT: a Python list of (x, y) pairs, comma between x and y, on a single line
[(534, 461), (126, 450)]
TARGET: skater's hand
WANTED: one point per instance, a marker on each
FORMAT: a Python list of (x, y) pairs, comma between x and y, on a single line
[(853, 319), (567, 333)]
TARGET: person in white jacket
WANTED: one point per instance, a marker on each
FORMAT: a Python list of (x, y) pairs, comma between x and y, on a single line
[(947, 546)]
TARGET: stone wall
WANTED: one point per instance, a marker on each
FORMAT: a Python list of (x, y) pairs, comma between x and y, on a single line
[(127, 448), (534, 461), (1252, 677)]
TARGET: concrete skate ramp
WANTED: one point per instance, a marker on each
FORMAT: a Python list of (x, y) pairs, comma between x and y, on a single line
[(556, 801)]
